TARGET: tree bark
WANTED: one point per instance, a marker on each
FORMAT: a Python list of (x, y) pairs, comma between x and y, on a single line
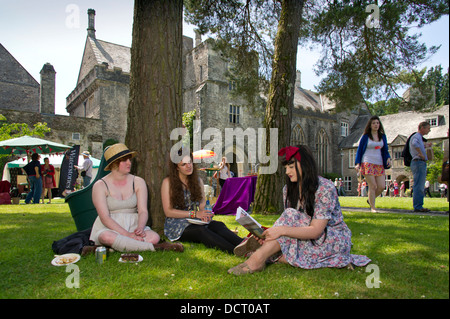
[(155, 105), (268, 195)]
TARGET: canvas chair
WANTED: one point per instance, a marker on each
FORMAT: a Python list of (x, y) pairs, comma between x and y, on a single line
[(80, 202)]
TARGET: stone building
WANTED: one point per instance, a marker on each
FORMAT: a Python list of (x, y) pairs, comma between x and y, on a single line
[(24, 100), (98, 107)]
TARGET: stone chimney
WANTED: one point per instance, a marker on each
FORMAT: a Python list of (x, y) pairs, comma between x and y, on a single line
[(198, 37), (47, 94), (298, 79), (91, 23)]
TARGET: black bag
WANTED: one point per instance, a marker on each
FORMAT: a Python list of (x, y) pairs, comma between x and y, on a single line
[(73, 243), (83, 173), (406, 154)]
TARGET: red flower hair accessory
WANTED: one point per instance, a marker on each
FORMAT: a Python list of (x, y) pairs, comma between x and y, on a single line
[(290, 151)]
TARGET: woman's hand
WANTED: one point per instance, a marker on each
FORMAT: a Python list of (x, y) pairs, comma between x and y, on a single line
[(139, 232), (273, 233), (205, 215), (135, 237), (357, 167), (388, 162)]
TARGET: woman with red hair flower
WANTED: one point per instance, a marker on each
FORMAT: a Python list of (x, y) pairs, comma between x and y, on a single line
[(311, 232)]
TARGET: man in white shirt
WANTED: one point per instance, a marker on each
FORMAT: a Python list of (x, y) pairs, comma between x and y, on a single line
[(87, 168), (419, 166)]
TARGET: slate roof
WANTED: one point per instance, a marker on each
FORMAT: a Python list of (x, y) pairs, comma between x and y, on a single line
[(114, 54)]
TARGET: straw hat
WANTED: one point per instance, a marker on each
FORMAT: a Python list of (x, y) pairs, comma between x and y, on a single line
[(116, 151)]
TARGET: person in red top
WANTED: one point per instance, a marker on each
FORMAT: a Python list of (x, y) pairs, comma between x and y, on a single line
[(48, 182)]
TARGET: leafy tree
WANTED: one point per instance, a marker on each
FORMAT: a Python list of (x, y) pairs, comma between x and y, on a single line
[(363, 57), (244, 32)]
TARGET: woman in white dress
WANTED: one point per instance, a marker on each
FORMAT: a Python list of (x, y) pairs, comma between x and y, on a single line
[(121, 202)]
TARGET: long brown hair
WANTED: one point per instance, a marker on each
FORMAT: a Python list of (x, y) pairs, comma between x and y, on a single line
[(176, 185), (368, 129)]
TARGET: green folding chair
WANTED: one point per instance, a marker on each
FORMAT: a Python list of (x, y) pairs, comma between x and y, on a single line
[(80, 202)]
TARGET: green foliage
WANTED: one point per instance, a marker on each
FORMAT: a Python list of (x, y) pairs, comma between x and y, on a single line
[(434, 167), (188, 122), (12, 130), (109, 142), (363, 62)]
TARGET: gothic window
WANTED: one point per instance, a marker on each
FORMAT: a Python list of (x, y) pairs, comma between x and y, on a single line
[(297, 136), (322, 151)]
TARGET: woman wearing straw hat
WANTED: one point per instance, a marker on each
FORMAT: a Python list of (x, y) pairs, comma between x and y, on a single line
[(121, 202)]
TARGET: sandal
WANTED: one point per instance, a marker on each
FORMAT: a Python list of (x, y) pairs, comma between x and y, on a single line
[(243, 269), (249, 244)]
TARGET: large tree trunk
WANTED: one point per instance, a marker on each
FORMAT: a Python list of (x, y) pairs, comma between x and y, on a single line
[(268, 196), (155, 94)]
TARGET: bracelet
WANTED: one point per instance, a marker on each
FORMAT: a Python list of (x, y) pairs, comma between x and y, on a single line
[(192, 214)]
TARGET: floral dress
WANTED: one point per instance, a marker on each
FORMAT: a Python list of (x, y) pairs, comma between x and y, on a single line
[(174, 227), (332, 248)]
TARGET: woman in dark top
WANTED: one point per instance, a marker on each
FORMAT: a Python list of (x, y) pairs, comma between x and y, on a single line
[(33, 170)]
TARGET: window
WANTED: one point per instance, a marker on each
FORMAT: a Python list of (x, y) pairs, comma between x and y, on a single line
[(322, 151), (76, 136), (297, 136), (434, 121), (344, 129), (351, 158), (234, 114), (201, 73), (231, 85), (348, 183)]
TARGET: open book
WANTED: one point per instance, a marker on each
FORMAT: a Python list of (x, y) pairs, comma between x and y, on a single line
[(243, 218)]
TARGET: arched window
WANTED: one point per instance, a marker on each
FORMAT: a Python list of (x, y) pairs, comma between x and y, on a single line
[(297, 135), (322, 151)]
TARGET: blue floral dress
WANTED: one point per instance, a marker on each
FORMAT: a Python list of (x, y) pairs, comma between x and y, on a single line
[(332, 248), (174, 227)]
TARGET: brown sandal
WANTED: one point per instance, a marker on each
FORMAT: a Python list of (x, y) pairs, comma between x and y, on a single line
[(243, 269)]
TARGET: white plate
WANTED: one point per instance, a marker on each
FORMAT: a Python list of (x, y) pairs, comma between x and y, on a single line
[(197, 221), (127, 262), (59, 260)]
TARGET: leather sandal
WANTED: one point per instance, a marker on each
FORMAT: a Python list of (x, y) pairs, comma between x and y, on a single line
[(243, 269), (249, 244)]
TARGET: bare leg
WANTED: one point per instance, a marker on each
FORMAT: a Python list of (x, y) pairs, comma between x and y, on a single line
[(376, 187), (259, 257)]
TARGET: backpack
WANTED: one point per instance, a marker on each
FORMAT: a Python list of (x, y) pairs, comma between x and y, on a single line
[(73, 243), (406, 154)]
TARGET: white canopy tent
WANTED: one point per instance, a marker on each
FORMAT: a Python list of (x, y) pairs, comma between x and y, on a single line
[(54, 159)]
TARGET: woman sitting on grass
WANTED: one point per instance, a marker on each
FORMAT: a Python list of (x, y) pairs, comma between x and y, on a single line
[(311, 232), (183, 199), (121, 203)]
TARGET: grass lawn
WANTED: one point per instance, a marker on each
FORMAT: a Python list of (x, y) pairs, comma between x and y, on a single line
[(435, 204), (411, 253)]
